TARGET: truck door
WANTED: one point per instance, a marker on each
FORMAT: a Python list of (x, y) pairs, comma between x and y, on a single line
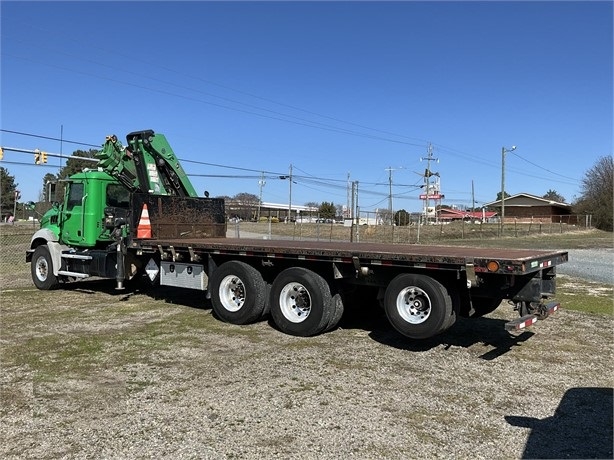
[(73, 216)]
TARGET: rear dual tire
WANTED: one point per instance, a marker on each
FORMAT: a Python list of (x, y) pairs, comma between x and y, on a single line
[(418, 306), (238, 293), (302, 304)]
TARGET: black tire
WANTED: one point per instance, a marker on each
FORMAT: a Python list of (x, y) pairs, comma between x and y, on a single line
[(238, 293), (337, 314), (41, 268), (417, 306), (483, 306), (301, 302), (456, 307)]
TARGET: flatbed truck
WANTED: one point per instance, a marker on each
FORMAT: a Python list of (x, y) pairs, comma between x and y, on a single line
[(137, 216)]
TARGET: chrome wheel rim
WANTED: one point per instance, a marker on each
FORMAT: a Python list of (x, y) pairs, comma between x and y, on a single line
[(414, 305), (295, 302), (232, 293), (42, 269)]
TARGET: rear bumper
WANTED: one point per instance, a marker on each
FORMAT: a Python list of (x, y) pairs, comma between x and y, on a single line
[(529, 320)]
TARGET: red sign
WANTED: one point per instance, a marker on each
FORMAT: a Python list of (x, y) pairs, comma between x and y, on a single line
[(433, 197)]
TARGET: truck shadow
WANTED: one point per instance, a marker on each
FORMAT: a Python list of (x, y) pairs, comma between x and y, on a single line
[(485, 331), (489, 332), (581, 426), (179, 296)]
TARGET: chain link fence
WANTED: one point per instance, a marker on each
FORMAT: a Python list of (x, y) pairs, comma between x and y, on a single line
[(14, 241), (371, 227)]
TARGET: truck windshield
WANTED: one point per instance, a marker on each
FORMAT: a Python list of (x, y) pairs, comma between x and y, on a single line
[(118, 196)]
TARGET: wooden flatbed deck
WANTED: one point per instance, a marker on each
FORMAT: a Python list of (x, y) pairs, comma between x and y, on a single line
[(523, 260)]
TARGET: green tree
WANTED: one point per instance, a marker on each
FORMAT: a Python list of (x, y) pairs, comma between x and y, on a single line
[(48, 192), (507, 195), (327, 210), (7, 190), (75, 165), (597, 196), (401, 217), (553, 195)]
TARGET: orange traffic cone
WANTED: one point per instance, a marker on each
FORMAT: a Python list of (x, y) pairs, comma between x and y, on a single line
[(143, 230)]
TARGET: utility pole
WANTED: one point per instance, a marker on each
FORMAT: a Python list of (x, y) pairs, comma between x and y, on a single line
[(61, 143), (427, 175), (472, 200), (261, 183), (390, 193), (352, 211), (390, 207), (503, 152), (17, 197), (290, 199), (349, 199)]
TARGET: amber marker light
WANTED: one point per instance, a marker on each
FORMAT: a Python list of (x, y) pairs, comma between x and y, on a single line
[(492, 266)]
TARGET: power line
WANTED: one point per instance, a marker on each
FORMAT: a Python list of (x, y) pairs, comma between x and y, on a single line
[(544, 169), (307, 123), (48, 138), (157, 65)]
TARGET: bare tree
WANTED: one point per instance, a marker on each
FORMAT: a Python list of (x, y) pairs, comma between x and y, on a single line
[(598, 194), (244, 205)]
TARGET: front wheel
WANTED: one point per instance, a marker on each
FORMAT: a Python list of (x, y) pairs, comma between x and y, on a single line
[(238, 293), (42, 269), (417, 306)]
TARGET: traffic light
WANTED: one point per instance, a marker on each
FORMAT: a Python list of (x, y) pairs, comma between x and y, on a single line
[(40, 157), (1, 153)]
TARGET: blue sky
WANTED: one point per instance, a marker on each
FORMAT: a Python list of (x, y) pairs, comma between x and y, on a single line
[(340, 88)]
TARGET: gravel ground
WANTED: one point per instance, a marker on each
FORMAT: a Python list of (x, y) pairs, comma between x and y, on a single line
[(166, 380), (590, 264), (162, 378)]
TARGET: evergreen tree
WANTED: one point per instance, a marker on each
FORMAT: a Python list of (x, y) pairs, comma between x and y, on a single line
[(8, 186)]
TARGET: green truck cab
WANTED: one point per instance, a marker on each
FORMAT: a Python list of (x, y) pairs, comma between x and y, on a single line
[(80, 219)]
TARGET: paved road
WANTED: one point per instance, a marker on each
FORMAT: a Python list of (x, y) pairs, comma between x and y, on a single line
[(590, 264)]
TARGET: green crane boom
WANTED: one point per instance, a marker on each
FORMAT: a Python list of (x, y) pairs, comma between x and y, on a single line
[(147, 164)]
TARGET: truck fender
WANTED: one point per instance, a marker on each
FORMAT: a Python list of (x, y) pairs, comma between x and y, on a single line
[(42, 236), (46, 236), (55, 251)]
